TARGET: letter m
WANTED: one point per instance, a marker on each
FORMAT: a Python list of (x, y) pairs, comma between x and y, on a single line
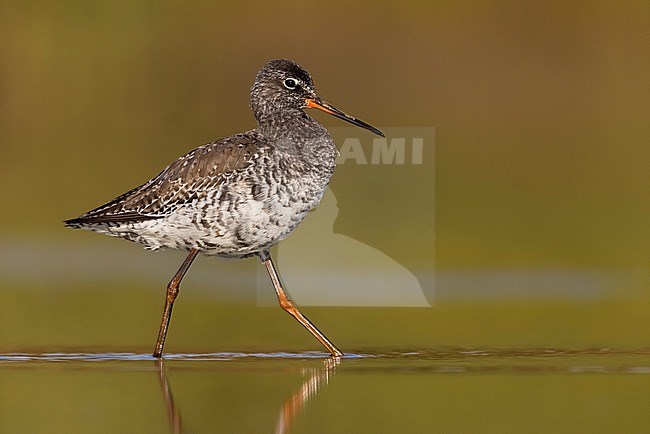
[(385, 152)]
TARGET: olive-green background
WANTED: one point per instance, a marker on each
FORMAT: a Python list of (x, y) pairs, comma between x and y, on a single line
[(540, 165)]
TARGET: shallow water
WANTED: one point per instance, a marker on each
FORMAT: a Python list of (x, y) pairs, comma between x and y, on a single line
[(76, 359), (443, 390)]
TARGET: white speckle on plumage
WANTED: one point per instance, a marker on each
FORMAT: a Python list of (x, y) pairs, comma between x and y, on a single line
[(238, 196)]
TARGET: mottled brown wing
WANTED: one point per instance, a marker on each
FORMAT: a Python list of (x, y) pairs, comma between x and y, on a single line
[(201, 168)]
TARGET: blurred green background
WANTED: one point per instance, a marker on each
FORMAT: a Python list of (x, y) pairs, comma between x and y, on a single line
[(539, 239), (541, 165)]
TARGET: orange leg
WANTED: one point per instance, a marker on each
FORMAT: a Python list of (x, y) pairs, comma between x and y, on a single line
[(172, 293), (290, 308)]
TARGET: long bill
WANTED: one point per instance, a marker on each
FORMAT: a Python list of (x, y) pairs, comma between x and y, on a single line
[(328, 108)]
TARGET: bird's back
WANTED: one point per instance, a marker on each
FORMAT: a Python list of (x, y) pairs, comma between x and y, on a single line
[(230, 198)]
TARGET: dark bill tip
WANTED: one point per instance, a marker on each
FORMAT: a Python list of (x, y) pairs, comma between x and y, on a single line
[(328, 108)]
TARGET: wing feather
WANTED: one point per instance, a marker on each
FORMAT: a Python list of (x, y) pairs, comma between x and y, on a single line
[(201, 168)]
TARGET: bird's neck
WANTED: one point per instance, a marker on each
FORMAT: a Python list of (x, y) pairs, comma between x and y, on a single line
[(294, 125), (301, 139)]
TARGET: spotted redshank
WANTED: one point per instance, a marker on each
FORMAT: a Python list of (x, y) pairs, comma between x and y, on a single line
[(239, 196)]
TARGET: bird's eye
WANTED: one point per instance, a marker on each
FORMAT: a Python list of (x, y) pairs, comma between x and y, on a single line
[(290, 83)]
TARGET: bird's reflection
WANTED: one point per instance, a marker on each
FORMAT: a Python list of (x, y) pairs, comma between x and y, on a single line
[(173, 413), (317, 378)]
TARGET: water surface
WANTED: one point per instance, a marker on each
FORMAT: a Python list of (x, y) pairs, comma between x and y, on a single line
[(440, 390)]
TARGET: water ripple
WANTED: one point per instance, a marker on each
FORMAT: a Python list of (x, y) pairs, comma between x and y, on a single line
[(104, 357), (455, 359)]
